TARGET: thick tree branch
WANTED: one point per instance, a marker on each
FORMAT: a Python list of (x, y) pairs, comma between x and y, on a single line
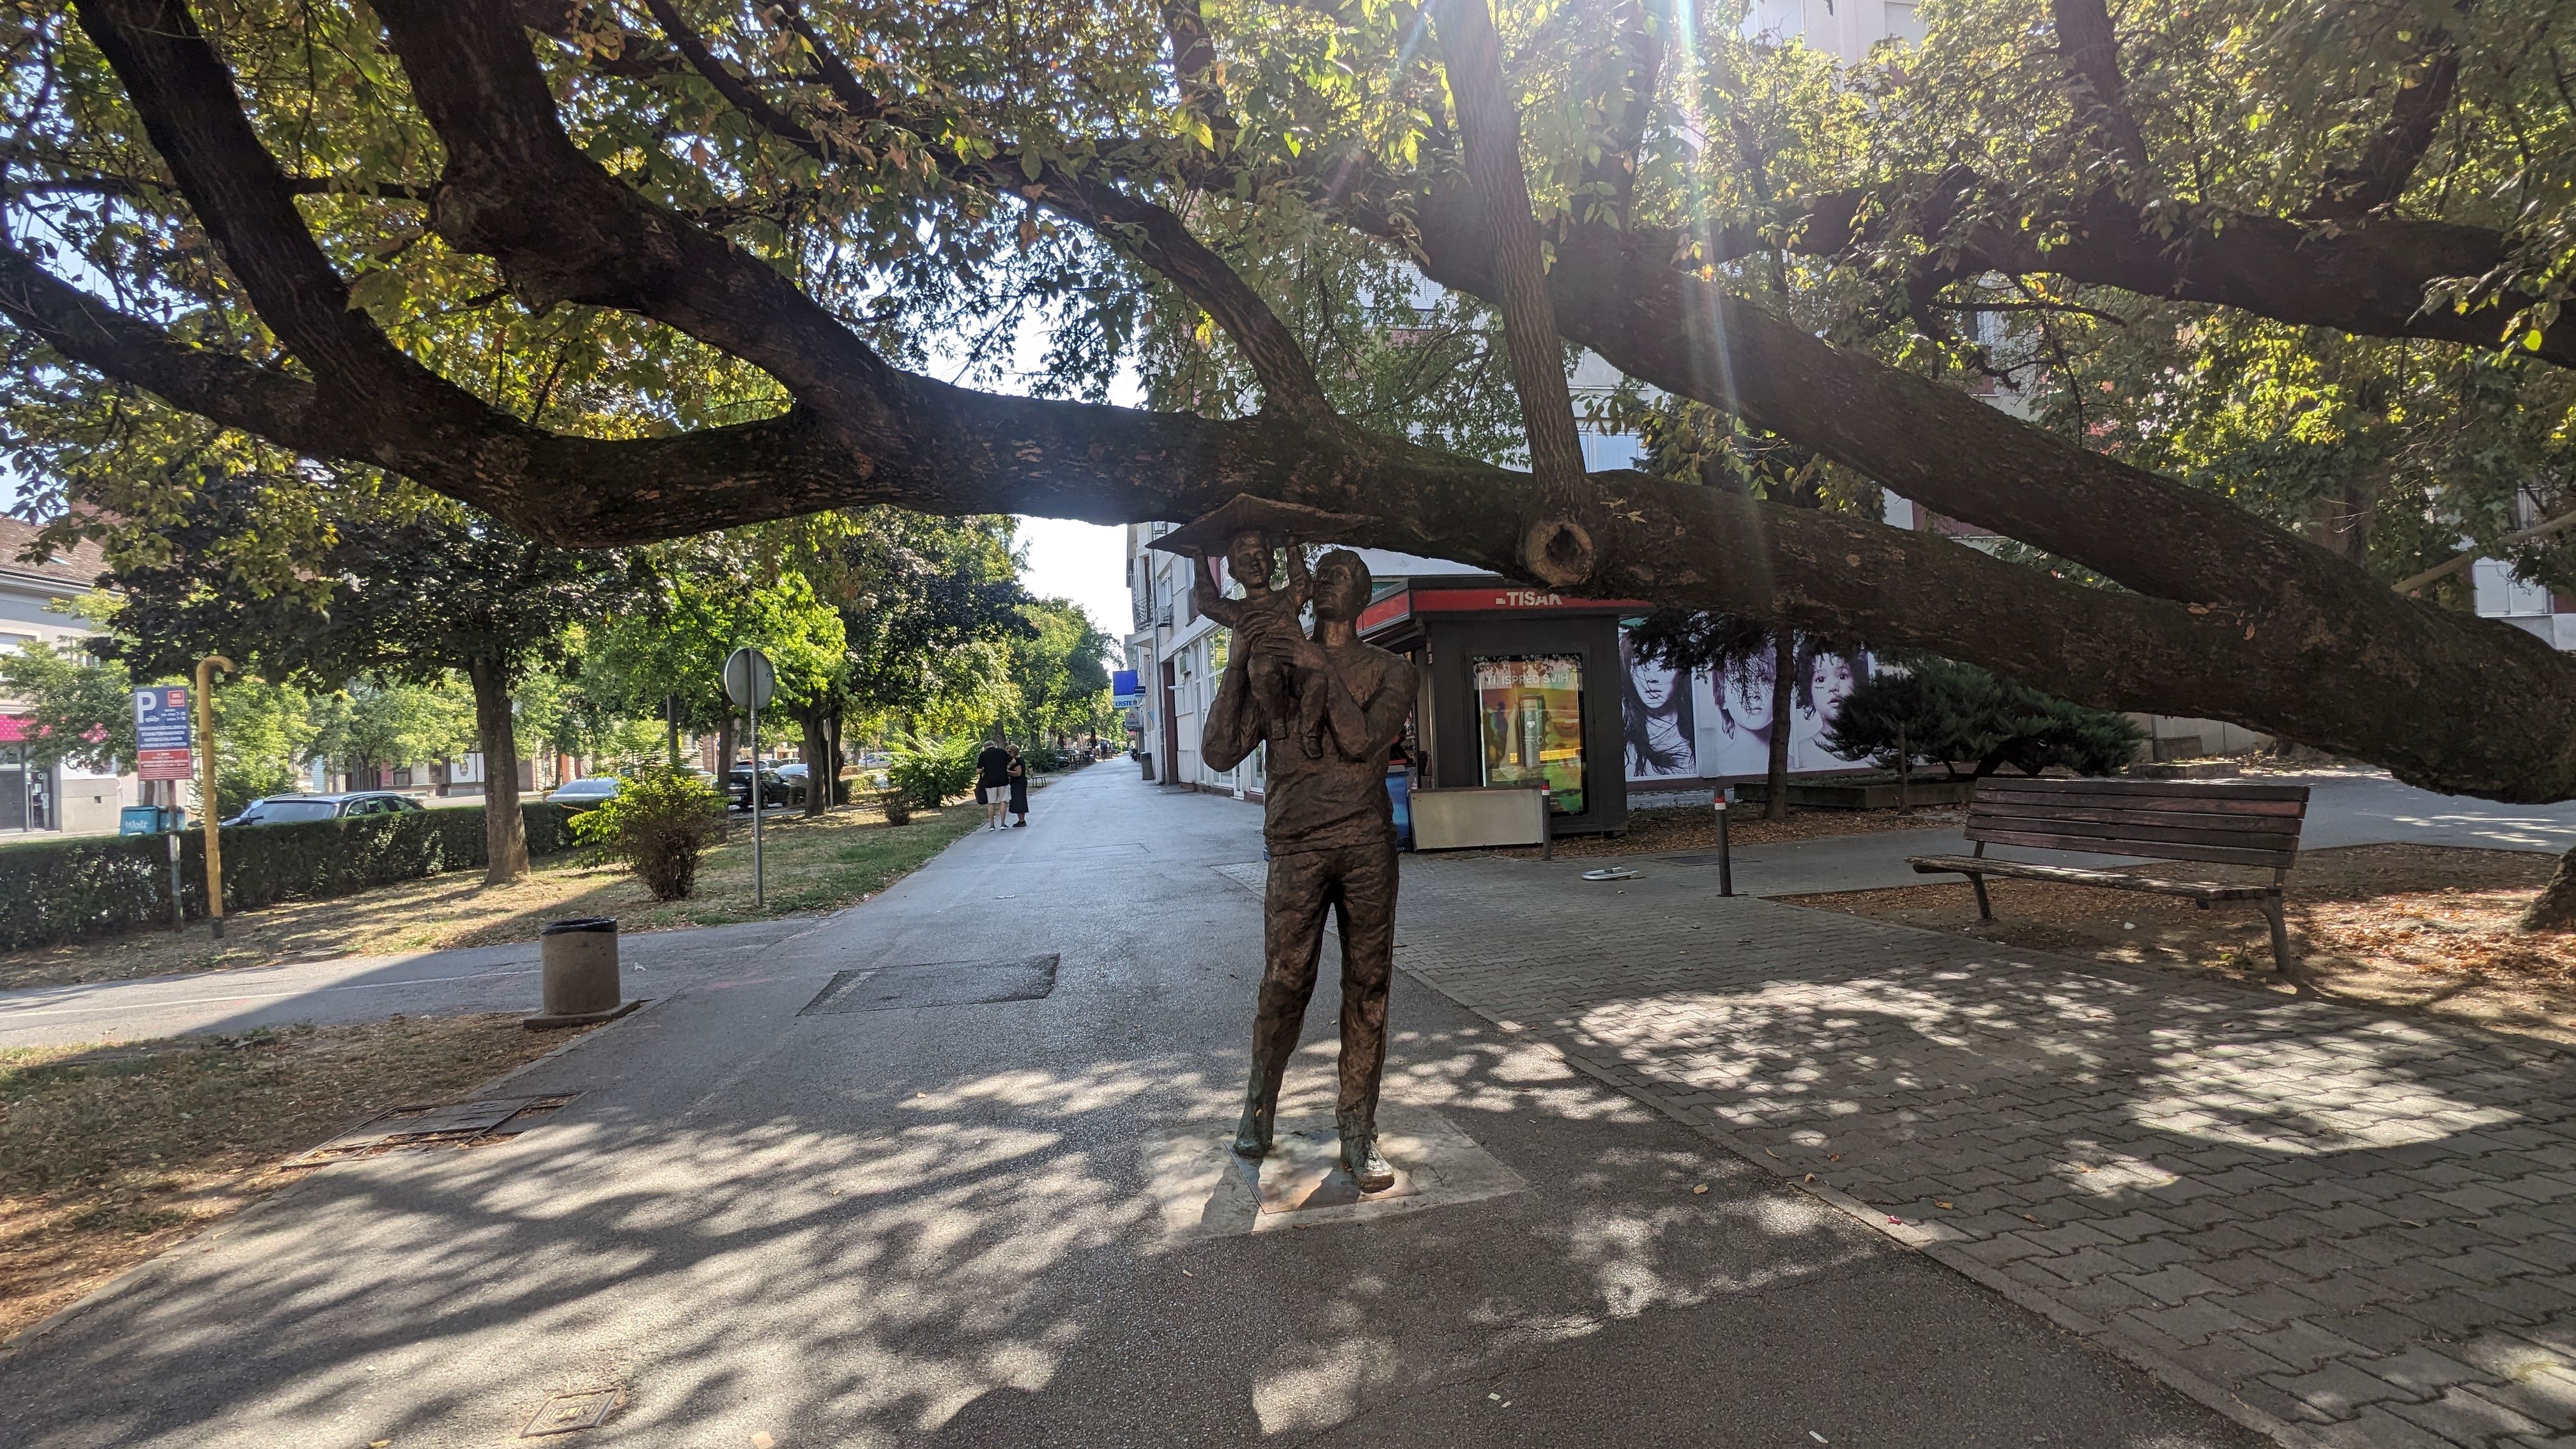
[(737, 92), (1153, 234), (2148, 532), (2386, 167), (2367, 276), (232, 391), (1558, 548), (2091, 51)]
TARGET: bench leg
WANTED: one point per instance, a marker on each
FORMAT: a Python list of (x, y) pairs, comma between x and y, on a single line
[(2280, 933), (1985, 908)]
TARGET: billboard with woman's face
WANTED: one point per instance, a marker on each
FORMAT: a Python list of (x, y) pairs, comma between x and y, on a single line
[(1706, 725), (1657, 718)]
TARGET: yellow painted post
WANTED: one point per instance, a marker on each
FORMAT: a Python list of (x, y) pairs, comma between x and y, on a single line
[(210, 816)]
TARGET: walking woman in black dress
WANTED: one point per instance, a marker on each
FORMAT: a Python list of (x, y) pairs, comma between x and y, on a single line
[(1019, 778)]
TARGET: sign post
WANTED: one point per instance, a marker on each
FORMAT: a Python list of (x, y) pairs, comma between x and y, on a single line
[(163, 743), (749, 680), (206, 796)]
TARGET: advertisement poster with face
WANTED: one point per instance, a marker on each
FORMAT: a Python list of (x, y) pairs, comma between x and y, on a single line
[(1657, 718), (1726, 718)]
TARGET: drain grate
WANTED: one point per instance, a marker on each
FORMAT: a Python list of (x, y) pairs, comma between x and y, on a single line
[(1690, 859), (455, 1124), (566, 1412), (935, 983)]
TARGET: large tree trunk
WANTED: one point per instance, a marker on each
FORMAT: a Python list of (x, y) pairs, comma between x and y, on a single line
[(2555, 908), (816, 751), (505, 833), (1784, 698)]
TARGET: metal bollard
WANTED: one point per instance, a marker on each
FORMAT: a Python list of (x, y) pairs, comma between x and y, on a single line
[(1725, 863), (581, 981)]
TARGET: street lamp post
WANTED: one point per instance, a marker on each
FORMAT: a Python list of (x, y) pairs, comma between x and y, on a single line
[(207, 811)]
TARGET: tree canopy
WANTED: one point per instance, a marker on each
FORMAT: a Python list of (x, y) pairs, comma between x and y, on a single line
[(623, 270)]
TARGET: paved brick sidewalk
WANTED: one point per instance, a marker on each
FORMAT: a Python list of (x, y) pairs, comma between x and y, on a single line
[(2360, 1228)]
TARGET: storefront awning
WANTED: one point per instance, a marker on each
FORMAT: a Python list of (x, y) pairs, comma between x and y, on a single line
[(1497, 597)]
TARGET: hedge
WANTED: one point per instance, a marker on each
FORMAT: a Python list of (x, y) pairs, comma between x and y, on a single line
[(63, 890)]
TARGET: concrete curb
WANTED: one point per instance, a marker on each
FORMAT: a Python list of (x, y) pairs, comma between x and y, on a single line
[(1933, 1240)]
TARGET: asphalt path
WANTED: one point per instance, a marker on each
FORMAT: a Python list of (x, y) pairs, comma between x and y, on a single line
[(358, 988), (766, 1223)]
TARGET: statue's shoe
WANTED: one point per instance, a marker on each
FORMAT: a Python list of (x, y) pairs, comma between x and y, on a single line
[(1360, 1159), (1252, 1137)]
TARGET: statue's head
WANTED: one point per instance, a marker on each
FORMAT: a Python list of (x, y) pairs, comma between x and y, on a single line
[(1247, 557), (1342, 585)]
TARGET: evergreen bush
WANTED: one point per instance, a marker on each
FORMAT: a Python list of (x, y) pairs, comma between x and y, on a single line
[(659, 823), (1957, 714), (53, 891)]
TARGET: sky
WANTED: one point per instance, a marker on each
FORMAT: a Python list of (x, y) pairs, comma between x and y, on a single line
[(1084, 562)]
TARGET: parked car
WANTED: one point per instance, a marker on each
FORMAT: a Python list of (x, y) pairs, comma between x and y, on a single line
[(775, 789), (297, 809), (576, 796)]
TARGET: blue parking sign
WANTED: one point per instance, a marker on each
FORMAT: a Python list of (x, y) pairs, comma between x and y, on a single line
[(163, 733), (161, 719)]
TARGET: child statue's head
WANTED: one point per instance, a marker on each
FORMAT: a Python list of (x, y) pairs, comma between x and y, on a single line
[(1247, 556)]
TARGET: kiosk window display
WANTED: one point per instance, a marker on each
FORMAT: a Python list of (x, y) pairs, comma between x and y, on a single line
[(1531, 712)]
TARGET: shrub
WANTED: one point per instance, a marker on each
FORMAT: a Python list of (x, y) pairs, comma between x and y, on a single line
[(898, 810), (929, 771), (659, 823), (1954, 713), (238, 784), (1046, 759), (52, 891)]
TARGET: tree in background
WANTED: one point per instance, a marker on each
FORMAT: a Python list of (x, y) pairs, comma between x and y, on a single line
[(83, 711), (1951, 713), (1060, 673), (709, 597), (400, 591), (927, 606)]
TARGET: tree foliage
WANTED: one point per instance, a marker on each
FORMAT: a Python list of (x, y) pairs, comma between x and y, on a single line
[(1954, 714), (79, 710), (617, 274)]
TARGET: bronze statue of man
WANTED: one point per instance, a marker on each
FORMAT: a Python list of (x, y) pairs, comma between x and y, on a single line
[(1331, 830)]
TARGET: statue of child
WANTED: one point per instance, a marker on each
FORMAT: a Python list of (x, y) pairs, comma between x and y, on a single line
[(1265, 613)]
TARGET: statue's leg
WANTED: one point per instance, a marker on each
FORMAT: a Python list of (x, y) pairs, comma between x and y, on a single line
[(1367, 900), (1292, 929)]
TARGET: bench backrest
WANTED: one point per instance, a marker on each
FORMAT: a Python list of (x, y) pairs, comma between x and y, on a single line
[(2163, 819)]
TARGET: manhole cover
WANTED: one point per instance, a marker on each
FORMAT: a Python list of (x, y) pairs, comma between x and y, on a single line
[(935, 983), (456, 1124), (566, 1412)]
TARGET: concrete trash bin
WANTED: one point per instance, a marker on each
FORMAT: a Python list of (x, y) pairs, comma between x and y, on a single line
[(581, 980)]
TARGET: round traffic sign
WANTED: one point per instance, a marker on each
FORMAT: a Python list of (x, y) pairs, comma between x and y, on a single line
[(749, 678)]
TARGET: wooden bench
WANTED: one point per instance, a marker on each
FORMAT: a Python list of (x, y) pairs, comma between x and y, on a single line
[(2255, 825)]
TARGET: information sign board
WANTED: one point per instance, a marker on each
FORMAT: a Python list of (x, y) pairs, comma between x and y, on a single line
[(163, 734)]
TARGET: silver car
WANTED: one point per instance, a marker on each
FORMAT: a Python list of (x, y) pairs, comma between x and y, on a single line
[(297, 809), (576, 796)]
